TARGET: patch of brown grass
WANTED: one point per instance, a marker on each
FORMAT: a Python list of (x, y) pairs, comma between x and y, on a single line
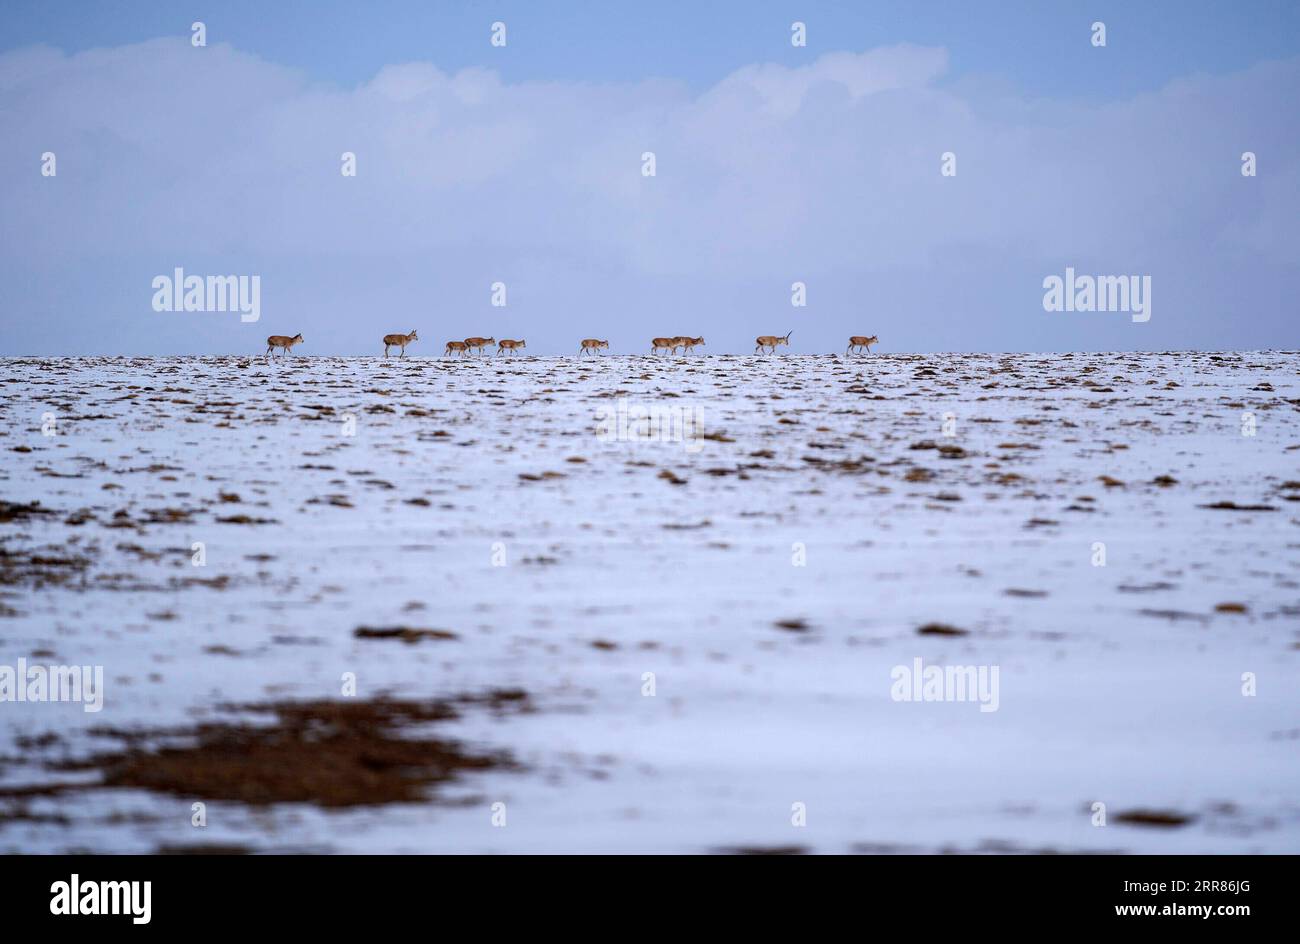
[(330, 753)]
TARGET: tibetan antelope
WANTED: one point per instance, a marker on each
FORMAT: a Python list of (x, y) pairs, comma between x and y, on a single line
[(505, 344), (859, 341), (590, 345), (771, 341), (477, 344), (688, 344), (399, 340), (664, 344), (280, 341), (457, 346)]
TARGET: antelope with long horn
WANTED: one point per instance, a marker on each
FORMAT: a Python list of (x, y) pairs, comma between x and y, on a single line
[(771, 341), (400, 341), (284, 343)]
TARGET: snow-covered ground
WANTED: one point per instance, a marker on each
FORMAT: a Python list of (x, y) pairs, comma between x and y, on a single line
[(857, 500)]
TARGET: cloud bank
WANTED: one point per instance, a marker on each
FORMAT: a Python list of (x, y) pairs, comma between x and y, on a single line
[(829, 174)]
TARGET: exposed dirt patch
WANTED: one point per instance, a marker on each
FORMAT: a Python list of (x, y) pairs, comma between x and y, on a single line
[(328, 753), (1163, 818), (41, 567), (1233, 506), (16, 511), (940, 629), (405, 634), (796, 625)]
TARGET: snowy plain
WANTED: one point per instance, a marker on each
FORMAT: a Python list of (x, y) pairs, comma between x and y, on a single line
[(770, 576)]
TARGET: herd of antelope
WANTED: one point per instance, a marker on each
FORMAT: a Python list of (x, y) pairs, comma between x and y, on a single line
[(766, 343)]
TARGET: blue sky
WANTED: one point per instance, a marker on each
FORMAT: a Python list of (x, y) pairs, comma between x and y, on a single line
[(775, 164), (1032, 43)]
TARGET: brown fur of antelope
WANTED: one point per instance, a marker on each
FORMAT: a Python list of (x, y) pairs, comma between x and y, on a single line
[(477, 344), (399, 340), (859, 341), (688, 344), (664, 344), (280, 341), (457, 346), (505, 344), (590, 345), (771, 341)]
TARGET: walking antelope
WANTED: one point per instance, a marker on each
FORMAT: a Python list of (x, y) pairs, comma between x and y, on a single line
[(457, 346), (399, 340), (280, 341), (505, 344), (859, 341), (477, 344), (590, 345), (771, 340), (664, 344), (688, 344)]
